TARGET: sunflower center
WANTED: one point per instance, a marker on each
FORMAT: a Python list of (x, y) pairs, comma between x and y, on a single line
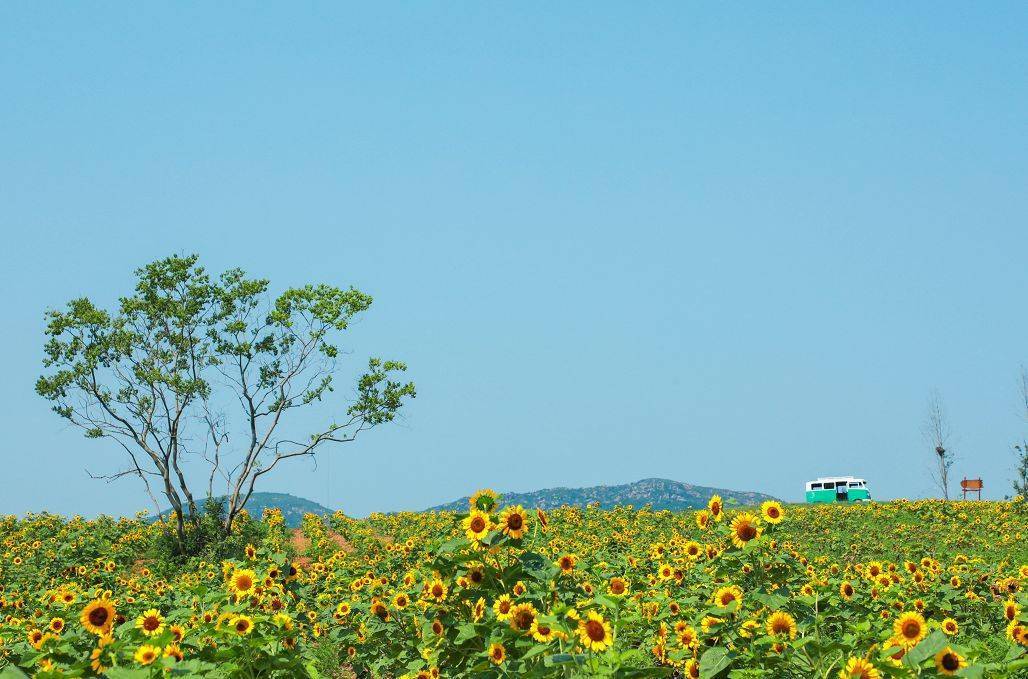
[(243, 582), (617, 587), (98, 617), (950, 662), (524, 619), (242, 626), (911, 629), (747, 532), (515, 522), (151, 623), (477, 524), (594, 630)]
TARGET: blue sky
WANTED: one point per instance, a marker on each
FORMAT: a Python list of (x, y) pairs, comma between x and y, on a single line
[(733, 245)]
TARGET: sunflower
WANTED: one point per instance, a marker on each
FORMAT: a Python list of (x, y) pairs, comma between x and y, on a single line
[(725, 596), (502, 607), (693, 550), (567, 563), (146, 654), (401, 601), (909, 629), (617, 586), (745, 527), (948, 661), (716, 507), (514, 521), (542, 632), (177, 633), (477, 525), (665, 571), (781, 624), (687, 636), (151, 622), (100, 659), (497, 653), (174, 651), (483, 500), (846, 590), (242, 582), (702, 519), (478, 610), (950, 626), (57, 625), (1011, 610), (772, 512), (594, 632), (692, 669), (436, 590), (98, 616), (858, 668), (522, 617), (242, 624)]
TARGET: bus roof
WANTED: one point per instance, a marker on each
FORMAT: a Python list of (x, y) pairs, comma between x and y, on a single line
[(822, 479)]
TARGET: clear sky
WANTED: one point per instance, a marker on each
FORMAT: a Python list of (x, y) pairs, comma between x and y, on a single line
[(732, 245)]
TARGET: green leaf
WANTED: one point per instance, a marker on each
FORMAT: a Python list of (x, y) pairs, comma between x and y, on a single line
[(713, 662), (935, 642), (12, 672)]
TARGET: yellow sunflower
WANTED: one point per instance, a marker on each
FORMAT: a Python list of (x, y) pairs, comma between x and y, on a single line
[(151, 622), (98, 616), (594, 632), (242, 582), (146, 654), (725, 596), (772, 512), (502, 607), (745, 527), (950, 626), (497, 653), (242, 625), (858, 668), (514, 521), (617, 586), (522, 617), (477, 525), (948, 661), (781, 624), (542, 632), (484, 500), (910, 629), (716, 507)]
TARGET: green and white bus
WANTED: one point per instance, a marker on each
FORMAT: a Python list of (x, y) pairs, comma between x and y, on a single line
[(838, 489)]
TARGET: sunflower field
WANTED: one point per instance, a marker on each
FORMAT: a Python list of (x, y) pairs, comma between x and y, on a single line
[(899, 589)]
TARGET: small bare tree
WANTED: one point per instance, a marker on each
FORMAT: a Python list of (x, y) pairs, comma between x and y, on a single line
[(1021, 449), (936, 432)]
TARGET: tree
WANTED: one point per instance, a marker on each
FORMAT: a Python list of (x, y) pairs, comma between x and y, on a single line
[(1021, 450), (936, 433), (195, 375)]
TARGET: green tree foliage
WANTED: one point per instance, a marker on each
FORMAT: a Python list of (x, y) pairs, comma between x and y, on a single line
[(197, 376)]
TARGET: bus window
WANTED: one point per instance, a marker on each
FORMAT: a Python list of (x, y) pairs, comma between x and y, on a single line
[(815, 486), (854, 484), (829, 485)]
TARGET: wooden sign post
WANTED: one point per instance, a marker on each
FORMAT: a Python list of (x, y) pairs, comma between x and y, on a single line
[(971, 486)]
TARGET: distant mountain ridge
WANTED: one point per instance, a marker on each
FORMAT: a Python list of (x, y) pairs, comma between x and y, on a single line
[(660, 493), (293, 508)]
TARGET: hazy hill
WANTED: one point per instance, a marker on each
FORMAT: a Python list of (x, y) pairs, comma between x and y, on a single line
[(293, 508), (661, 493)]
